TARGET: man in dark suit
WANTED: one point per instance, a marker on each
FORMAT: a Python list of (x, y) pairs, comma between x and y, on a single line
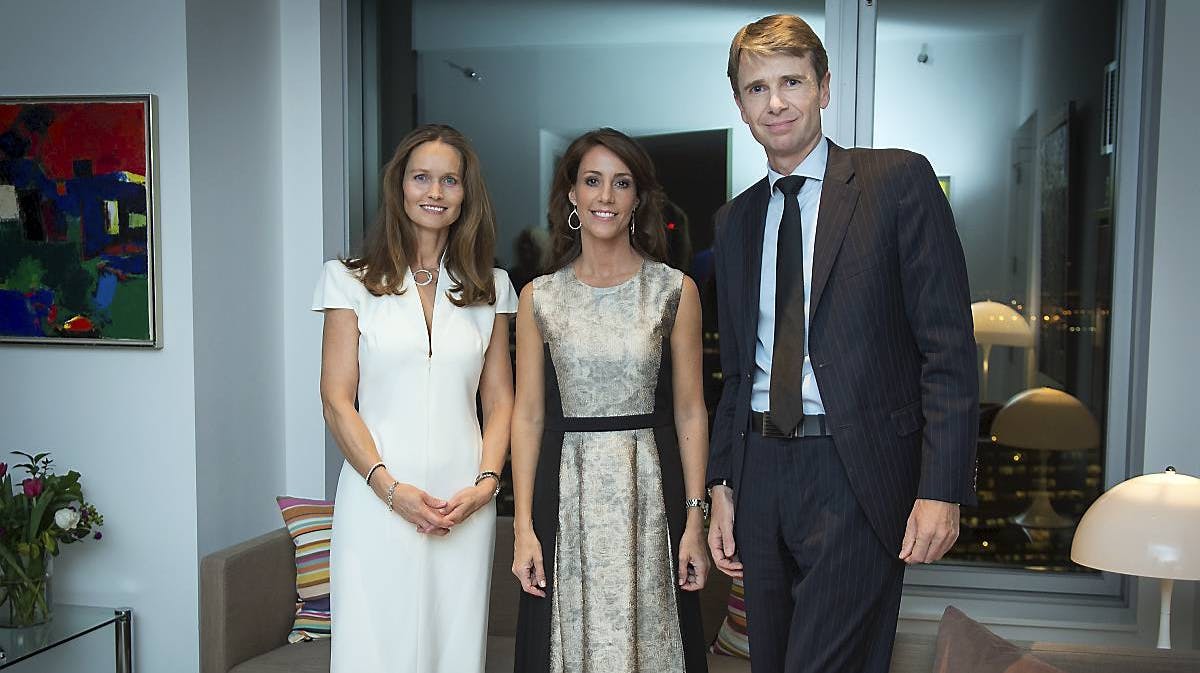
[(844, 441)]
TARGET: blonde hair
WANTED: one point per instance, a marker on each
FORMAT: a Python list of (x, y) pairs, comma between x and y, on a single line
[(777, 34)]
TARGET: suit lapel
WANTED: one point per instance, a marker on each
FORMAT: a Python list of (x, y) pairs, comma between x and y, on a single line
[(838, 200), (754, 217)]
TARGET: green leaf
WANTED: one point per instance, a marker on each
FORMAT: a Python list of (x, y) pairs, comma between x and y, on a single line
[(13, 563), (35, 517)]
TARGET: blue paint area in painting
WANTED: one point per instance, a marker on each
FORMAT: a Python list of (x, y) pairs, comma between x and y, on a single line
[(106, 289), (136, 264), (85, 197), (91, 193), (17, 316)]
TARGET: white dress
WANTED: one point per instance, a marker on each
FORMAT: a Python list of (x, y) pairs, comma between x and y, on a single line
[(403, 601)]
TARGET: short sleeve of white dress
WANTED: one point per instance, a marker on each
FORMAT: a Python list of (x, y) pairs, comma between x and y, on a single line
[(506, 294), (337, 288)]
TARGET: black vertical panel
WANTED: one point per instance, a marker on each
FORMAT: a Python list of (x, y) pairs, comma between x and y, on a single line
[(29, 201)]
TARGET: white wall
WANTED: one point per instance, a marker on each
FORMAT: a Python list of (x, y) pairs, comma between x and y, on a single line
[(959, 110), (567, 67), (1173, 367), (237, 266), (184, 449), (304, 121), (124, 418), (570, 23), (638, 89)]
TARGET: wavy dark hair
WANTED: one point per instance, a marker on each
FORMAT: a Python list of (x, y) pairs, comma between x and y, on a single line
[(470, 249), (649, 237)]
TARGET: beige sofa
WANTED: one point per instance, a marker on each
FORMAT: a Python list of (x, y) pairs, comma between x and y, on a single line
[(248, 592)]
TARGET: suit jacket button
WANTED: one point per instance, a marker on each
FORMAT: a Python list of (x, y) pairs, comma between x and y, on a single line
[(742, 434), (748, 375)]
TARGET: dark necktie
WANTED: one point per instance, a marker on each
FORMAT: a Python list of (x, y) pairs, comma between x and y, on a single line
[(787, 356)]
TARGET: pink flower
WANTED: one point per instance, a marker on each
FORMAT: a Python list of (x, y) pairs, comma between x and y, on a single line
[(32, 487), (3, 470)]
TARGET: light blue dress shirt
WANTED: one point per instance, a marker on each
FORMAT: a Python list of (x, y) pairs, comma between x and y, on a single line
[(812, 168)]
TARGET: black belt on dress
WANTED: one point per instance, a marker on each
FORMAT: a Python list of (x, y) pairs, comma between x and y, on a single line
[(812, 426), (609, 423)]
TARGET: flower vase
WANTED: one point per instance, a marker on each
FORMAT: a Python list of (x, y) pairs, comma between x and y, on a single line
[(26, 601)]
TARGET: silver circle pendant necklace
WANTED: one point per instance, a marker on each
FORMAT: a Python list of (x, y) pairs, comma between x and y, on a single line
[(426, 273), (423, 276)]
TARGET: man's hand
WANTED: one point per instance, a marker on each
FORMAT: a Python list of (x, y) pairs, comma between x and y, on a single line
[(931, 531), (720, 532)]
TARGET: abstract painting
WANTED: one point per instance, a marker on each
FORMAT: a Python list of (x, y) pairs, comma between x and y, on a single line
[(944, 183), (77, 230)]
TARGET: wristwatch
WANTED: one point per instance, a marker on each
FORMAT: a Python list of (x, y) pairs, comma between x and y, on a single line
[(714, 483), (697, 502)]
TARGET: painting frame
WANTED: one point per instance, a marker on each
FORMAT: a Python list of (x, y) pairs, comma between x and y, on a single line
[(122, 256)]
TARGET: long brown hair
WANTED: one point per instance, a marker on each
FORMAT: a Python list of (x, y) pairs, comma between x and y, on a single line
[(649, 237), (470, 248)]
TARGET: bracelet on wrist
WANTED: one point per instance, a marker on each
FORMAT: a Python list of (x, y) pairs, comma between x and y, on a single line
[(488, 474), (390, 493), (371, 471)]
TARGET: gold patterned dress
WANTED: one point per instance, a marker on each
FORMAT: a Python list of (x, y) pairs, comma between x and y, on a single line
[(608, 502)]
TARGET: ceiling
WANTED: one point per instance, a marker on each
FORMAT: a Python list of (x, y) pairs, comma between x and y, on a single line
[(472, 24)]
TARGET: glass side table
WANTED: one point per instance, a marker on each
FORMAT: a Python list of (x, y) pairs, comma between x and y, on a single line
[(68, 623)]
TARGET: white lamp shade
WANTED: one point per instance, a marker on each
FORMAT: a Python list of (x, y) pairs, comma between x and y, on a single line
[(997, 324), (1146, 526), (1046, 419)]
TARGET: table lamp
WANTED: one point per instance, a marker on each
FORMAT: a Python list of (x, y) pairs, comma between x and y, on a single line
[(998, 324), (1045, 420), (1145, 526)]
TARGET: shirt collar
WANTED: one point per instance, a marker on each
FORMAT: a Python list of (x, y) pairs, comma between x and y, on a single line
[(813, 166)]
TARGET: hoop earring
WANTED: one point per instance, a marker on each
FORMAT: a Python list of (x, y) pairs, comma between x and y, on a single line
[(579, 223), (632, 222)]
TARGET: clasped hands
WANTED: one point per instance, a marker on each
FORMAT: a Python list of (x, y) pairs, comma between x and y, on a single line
[(435, 516)]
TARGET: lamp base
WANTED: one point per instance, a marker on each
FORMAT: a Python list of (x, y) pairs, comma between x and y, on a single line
[(1041, 514), (1164, 613)]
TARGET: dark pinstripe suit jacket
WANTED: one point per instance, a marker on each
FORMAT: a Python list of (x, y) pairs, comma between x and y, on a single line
[(890, 334)]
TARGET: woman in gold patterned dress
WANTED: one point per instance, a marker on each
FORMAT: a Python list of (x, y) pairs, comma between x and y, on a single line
[(610, 432)]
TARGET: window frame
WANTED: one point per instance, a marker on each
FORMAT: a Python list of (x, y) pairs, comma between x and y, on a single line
[(1012, 595)]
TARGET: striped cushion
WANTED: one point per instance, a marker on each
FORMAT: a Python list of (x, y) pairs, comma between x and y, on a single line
[(311, 524), (732, 639)]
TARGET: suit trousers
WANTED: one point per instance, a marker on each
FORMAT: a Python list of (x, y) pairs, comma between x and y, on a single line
[(822, 592)]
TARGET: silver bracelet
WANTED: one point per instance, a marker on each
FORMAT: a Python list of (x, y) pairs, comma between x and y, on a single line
[(489, 475), (391, 492), (697, 502), (371, 471)]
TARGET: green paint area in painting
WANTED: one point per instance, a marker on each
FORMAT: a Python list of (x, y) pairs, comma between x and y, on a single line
[(128, 310), (60, 266), (25, 277), (137, 221)]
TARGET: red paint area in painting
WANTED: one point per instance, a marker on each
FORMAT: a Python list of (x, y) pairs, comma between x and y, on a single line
[(124, 248), (78, 324), (111, 135)]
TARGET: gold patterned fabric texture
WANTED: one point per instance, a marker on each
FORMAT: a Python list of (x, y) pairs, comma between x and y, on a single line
[(613, 597)]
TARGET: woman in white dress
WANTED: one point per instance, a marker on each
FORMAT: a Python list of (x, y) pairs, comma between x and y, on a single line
[(412, 330)]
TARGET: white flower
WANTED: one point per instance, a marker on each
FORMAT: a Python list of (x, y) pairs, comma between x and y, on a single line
[(66, 518)]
